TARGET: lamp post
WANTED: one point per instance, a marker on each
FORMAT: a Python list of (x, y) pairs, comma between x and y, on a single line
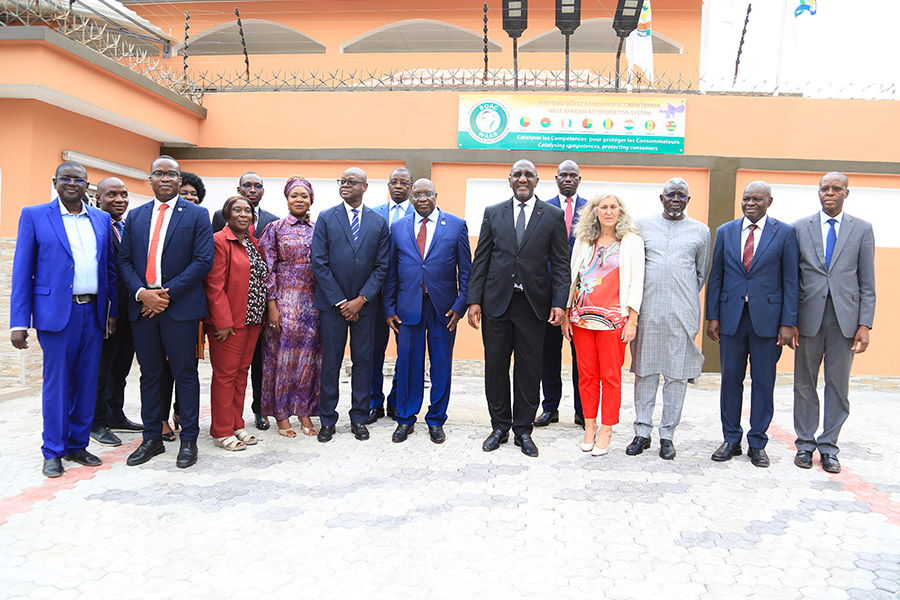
[(628, 14), (515, 21), (568, 18)]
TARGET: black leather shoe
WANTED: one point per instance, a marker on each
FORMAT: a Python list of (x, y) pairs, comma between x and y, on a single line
[(525, 442), (360, 431), (402, 432), (127, 426), (83, 457), (105, 437), (726, 451), (830, 463), (262, 423), (494, 440), (187, 455), (437, 434), (546, 418), (579, 420), (803, 459), (326, 432), (637, 445), (391, 412), (374, 415), (53, 467), (147, 450), (666, 449), (758, 457)]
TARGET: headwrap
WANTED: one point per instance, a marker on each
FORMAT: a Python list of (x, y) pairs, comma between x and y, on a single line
[(294, 182)]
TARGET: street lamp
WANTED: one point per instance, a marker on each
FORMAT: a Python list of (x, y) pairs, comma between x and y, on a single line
[(568, 18), (628, 15), (515, 22)]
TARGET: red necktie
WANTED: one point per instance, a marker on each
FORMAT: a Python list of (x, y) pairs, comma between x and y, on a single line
[(569, 216), (420, 239), (748, 249), (150, 275)]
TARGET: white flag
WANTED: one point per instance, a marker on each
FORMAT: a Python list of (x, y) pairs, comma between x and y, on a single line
[(639, 45)]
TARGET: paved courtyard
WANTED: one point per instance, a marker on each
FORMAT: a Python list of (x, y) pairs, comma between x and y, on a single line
[(295, 518)]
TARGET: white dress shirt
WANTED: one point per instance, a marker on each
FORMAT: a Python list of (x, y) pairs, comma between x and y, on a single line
[(83, 242), (757, 234), (349, 210), (167, 218), (529, 208), (430, 227), (397, 211), (826, 227)]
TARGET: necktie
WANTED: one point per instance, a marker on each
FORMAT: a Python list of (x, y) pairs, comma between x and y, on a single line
[(150, 275), (395, 213), (354, 225), (570, 213), (422, 236), (520, 224), (252, 229), (830, 239), (748, 249), (117, 228)]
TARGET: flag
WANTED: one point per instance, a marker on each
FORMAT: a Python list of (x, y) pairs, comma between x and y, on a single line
[(639, 45)]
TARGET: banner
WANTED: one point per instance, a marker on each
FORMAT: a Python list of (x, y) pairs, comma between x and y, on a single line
[(610, 123)]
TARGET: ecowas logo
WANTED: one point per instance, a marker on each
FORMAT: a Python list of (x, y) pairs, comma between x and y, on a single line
[(488, 121)]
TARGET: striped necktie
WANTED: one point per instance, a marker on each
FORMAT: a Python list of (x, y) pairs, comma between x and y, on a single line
[(354, 225)]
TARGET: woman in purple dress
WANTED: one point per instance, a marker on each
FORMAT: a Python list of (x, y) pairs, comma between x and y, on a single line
[(292, 353)]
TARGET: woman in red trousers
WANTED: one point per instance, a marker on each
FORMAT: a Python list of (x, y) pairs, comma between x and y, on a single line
[(604, 301), (236, 295)]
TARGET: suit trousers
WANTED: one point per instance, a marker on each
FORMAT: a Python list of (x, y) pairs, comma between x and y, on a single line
[(551, 380), (673, 393), (518, 331), (256, 373), (763, 352), (70, 381), (382, 335), (230, 362), (412, 342), (602, 354), (829, 344), (334, 329), (155, 339), (116, 358)]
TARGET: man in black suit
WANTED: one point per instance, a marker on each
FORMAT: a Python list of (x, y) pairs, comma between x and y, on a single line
[(509, 282), (117, 353), (252, 188)]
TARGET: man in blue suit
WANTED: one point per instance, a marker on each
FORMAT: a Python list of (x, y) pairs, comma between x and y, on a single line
[(64, 285), (166, 252), (399, 206), (751, 309), (350, 249), (568, 177), (424, 298)]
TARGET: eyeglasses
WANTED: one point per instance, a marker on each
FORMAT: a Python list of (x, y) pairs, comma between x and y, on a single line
[(67, 180), (674, 196), (348, 182), (418, 195), (165, 174), (520, 174), (834, 188), (399, 182), (252, 186)]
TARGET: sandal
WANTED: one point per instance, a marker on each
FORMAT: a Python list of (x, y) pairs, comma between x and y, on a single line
[(246, 437), (168, 436), (230, 443), (308, 430), (285, 431)]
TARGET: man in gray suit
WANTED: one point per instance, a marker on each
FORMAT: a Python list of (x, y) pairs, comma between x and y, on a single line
[(837, 306)]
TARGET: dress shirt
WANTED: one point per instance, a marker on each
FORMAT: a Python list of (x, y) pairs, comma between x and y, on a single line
[(823, 217), (397, 211), (349, 210), (529, 208), (83, 242), (167, 218), (757, 235), (430, 227)]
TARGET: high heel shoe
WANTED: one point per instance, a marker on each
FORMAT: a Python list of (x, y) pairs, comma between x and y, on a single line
[(598, 451), (587, 447)]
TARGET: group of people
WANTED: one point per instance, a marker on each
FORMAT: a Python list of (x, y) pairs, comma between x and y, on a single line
[(277, 299)]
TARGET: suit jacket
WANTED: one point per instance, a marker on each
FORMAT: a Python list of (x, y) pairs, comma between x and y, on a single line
[(187, 256), (558, 202), (344, 271), (385, 211), (43, 269), (499, 261), (850, 279), (771, 284), (444, 270), (227, 285), (263, 218)]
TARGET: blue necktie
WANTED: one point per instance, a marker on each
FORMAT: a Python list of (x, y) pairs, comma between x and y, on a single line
[(830, 239), (354, 225), (395, 213)]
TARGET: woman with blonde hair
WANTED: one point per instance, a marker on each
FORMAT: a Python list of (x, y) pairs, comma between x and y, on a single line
[(602, 317)]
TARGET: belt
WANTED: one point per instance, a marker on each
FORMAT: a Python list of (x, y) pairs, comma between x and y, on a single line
[(84, 298)]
